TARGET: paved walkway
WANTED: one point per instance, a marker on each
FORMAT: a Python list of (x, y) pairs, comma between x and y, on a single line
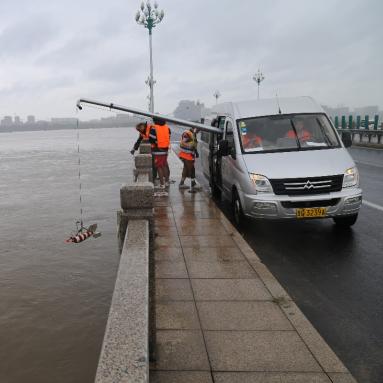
[(221, 315)]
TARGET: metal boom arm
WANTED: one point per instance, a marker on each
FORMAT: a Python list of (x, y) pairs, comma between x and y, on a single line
[(177, 121)]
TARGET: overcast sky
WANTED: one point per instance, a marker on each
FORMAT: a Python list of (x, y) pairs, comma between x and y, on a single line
[(53, 52)]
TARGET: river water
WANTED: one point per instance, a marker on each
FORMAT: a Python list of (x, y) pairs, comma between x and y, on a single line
[(55, 297)]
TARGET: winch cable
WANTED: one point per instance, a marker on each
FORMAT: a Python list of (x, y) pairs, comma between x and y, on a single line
[(79, 178)]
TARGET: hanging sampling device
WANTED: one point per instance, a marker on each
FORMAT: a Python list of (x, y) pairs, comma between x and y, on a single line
[(82, 233)]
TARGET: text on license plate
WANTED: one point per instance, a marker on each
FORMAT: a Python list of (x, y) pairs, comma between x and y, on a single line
[(311, 212)]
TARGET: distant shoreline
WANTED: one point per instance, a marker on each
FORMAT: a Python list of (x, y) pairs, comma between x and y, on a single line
[(63, 128)]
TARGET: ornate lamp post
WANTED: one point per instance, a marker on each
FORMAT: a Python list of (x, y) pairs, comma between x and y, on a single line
[(149, 16), (258, 78), (216, 95)]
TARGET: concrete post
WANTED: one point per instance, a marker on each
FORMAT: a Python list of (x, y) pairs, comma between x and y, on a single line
[(143, 163), (145, 148)]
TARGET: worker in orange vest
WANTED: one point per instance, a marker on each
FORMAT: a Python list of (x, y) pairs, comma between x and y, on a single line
[(143, 128), (159, 137), (303, 134), (188, 153), (251, 140)]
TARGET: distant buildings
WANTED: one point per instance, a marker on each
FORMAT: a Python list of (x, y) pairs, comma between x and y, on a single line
[(191, 110), (31, 119), (7, 121), (10, 124)]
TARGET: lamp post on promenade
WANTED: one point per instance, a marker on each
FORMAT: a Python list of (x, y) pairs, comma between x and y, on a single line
[(216, 95), (258, 78), (149, 16)]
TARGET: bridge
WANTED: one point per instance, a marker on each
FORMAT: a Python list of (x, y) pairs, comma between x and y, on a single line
[(194, 302)]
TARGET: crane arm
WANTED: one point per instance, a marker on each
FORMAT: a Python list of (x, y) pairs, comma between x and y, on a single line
[(177, 121)]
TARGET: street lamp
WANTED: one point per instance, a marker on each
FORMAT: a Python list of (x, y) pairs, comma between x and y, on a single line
[(258, 78), (149, 16), (216, 95)]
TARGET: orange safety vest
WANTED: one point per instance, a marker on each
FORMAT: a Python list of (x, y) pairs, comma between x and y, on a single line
[(254, 140), (304, 135), (163, 136), (187, 146), (145, 135)]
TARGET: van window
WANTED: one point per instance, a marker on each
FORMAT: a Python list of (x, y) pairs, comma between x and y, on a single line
[(287, 133)]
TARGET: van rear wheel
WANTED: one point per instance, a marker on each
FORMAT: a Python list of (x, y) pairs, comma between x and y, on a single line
[(346, 221)]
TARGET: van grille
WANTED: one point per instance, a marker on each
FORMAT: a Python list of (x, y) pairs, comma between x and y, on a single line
[(307, 186), (316, 203)]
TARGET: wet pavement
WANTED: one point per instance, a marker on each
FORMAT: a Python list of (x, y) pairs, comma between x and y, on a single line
[(221, 316), (334, 276)]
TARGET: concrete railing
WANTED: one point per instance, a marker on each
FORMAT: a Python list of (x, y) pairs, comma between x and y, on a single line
[(364, 135), (130, 332)]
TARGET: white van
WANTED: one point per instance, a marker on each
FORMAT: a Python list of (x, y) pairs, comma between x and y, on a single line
[(280, 159)]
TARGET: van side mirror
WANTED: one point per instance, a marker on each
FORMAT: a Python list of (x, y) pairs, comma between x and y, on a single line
[(223, 148), (214, 122), (346, 139)]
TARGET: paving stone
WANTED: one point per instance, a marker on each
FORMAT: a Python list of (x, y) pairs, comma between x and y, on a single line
[(267, 377), (206, 241), (202, 229), (322, 352), (229, 289), (171, 269), (213, 254), (165, 230), (164, 221), (181, 350), (172, 240), (238, 316), (259, 351), (177, 316), (180, 377), (342, 378), (173, 290), (165, 253), (217, 269)]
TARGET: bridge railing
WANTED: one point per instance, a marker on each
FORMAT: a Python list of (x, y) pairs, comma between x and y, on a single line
[(361, 135), (130, 332)]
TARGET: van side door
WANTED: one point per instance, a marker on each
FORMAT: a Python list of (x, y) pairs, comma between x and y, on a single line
[(228, 162), (215, 160)]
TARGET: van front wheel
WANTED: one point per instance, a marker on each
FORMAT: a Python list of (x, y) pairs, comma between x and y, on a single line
[(237, 209), (346, 221)]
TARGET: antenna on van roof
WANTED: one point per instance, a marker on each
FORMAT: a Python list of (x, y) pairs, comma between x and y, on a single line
[(279, 107)]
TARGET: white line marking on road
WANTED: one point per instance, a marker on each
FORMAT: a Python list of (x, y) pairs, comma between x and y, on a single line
[(373, 205)]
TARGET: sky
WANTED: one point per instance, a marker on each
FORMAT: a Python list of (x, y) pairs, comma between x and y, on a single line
[(54, 52)]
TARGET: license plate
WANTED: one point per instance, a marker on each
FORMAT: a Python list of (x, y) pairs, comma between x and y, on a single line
[(311, 212)]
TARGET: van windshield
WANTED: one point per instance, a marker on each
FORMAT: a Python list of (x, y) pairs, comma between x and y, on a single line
[(287, 133)]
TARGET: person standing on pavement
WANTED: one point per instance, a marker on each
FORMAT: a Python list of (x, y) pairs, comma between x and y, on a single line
[(159, 137), (188, 153)]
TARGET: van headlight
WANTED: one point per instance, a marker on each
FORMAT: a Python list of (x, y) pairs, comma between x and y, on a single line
[(351, 178), (261, 183)]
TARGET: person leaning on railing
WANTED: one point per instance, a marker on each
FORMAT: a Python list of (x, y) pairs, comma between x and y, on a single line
[(143, 128)]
